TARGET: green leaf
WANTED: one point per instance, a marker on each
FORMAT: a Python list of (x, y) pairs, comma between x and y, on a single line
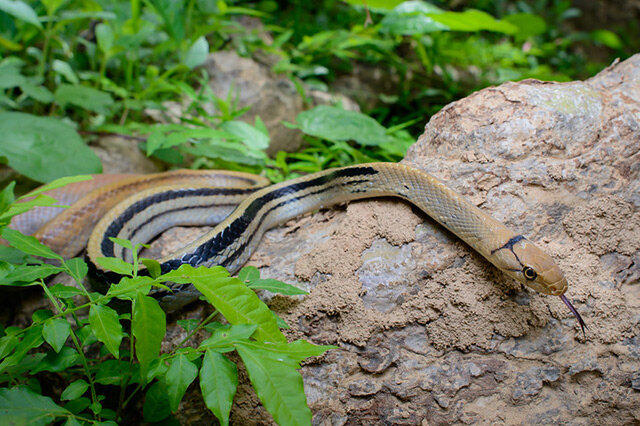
[(248, 274), (188, 324), (105, 38), (37, 92), (156, 403), (128, 288), (197, 53), (218, 382), (7, 344), (278, 385), (52, 6), (296, 351), (153, 266), (32, 338), (336, 124), (116, 265), (84, 97), (149, 327), (232, 298), (112, 372), (28, 274), (473, 20), (55, 332), (28, 244), (106, 327), (529, 25), (275, 286), (78, 268), (378, 6), (179, 376), (65, 70), (7, 197), (21, 406), (74, 390), (57, 362), (55, 184), (39, 147), (248, 134), (412, 17), (20, 10), (224, 336), (64, 292), (608, 38)]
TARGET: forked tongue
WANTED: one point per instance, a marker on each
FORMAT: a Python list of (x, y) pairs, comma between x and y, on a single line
[(575, 313)]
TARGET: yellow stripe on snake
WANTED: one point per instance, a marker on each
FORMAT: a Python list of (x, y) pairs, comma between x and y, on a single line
[(198, 198)]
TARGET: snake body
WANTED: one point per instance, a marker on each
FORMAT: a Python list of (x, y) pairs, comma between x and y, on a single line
[(148, 212)]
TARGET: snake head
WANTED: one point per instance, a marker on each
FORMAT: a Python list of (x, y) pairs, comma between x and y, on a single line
[(527, 263)]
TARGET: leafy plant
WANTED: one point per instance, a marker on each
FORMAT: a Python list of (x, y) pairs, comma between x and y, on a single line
[(95, 355)]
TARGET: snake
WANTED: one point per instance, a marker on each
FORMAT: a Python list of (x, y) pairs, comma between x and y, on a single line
[(242, 207)]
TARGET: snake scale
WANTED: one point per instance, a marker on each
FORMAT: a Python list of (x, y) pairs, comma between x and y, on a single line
[(148, 205)]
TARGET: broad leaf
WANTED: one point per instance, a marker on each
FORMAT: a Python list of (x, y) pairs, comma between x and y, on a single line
[(232, 298), (39, 147), (116, 265), (149, 327), (179, 376), (275, 286), (20, 10), (55, 332), (28, 274), (197, 53), (64, 291), (74, 390), (77, 268), (106, 327), (218, 382), (84, 97), (337, 124), (156, 403), (278, 385), (21, 406), (248, 134), (28, 244)]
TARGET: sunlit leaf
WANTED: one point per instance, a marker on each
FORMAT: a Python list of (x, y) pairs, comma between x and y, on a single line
[(106, 327), (55, 332), (218, 382), (149, 326)]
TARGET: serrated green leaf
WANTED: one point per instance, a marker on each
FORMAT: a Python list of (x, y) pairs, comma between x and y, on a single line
[(275, 286), (116, 265), (28, 244), (55, 332), (74, 390), (218, 382), (21, 406), (106, 327), (179, 376), (84, 97), (232, 298), (20, 10), (39, 147), (337, 124), (64, 292), (278, 385), (149, 326)]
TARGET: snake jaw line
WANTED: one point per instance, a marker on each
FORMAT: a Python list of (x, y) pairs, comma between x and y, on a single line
[(575, 313)]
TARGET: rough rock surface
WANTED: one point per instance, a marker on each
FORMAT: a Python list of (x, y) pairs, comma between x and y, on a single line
[(431, 333)]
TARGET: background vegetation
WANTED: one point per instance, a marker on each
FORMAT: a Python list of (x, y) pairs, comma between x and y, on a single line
[(71, 70)]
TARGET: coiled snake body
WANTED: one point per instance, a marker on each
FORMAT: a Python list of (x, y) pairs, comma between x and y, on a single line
[(194, 201)]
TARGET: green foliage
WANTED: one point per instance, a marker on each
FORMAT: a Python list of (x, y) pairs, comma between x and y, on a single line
[(84, 341)]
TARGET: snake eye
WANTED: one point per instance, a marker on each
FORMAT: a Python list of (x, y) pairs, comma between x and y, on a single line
[(529, 273)]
